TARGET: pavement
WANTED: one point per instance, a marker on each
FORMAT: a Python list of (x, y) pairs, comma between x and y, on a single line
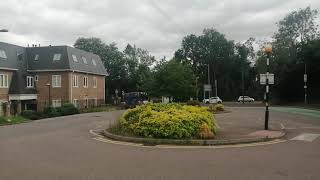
[(243, 123), (63, 149)]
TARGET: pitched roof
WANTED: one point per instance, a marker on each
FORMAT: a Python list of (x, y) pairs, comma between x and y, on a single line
[(16, 60), (46, 60), (23, 61)]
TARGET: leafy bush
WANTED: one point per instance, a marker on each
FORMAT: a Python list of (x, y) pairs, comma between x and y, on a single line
[(68, 109), (193, 103), (216, 107), (168, 121), (65, 109), (32, 115), (2, 120)]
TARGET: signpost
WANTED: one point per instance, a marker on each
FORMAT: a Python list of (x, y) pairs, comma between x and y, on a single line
[(264, 77)]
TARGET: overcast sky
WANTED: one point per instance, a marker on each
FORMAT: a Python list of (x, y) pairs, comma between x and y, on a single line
[(156, 25)]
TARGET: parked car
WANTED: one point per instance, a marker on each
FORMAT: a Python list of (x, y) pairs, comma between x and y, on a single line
[(212, 100), (245, 99)]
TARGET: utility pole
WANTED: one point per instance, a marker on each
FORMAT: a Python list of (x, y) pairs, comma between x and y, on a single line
[(305, 83)]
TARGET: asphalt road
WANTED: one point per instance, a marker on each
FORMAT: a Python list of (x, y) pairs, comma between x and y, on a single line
[(63, 149)]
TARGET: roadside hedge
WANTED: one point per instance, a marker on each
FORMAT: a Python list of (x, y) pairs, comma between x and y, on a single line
[(173, 121)]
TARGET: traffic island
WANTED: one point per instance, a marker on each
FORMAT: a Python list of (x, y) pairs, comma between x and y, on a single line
[(251, 138), (174, 124)]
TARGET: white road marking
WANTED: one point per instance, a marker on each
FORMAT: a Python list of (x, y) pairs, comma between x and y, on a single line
[(282, 126), (306, 137)]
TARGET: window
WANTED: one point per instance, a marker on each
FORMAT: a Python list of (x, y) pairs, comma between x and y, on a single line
[(30, 82), (75, 102), (75, 81), (86, 102), (84, 60), (74, 57), (56, 57), (36, 78), (94, 62), (85, 81), (3, 54), (36, 57), (4, 81), (56, 103), (56, 80), (94, 82)]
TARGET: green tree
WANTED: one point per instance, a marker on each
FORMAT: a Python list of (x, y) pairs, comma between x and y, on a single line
[(171, 79)]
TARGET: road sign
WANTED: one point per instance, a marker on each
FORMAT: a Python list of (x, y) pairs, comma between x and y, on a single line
[(207, 87), (263, 78)]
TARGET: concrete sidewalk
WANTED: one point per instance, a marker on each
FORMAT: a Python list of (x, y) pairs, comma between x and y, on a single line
[(244, 123)]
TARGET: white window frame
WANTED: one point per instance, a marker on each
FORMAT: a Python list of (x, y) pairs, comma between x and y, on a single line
[(85, 81), (4, 81), (75, 81), (75, 102), (30, 82), (3, 54), (84, 59), (94, 82), (36, 57), (56, 81), (94, 62), (56, 57), (36, 78), (74, 57), (56, 103)]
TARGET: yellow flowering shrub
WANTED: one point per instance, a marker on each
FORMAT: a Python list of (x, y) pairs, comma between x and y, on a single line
[(216, 107), (168, 121)]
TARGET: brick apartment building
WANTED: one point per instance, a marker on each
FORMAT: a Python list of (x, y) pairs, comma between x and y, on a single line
[(32, 78)]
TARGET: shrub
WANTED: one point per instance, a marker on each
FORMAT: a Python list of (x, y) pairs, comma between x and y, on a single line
[(216, 107), (68, 109), (219, 107), (51, 112), (167, 121), (32, 115), (193, 103), (2, 120)]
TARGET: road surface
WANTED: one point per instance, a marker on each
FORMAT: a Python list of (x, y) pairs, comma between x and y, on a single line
[(63, 149)]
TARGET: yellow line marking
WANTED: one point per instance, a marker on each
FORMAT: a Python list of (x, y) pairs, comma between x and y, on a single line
[(105, 140)]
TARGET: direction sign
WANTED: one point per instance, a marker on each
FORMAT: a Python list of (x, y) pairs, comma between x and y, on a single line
[(263, 78), (207, 87)]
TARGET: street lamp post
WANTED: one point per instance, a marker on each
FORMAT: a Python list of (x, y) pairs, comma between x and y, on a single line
[(49, 93), (305, 83), (268, 51)]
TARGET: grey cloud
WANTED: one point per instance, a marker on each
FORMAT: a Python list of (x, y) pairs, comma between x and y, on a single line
[(156, 25)]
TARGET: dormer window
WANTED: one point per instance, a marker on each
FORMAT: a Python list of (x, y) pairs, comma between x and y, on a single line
[(3, 54), (74, 57), (84, 60), (94, 62), (30, 82), (36, 57), (56, 57)]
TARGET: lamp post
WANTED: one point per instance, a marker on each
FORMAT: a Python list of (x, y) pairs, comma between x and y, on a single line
[(4, 30), (268, 51), (305, 83), (49, 93)]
